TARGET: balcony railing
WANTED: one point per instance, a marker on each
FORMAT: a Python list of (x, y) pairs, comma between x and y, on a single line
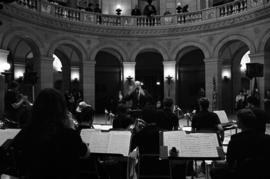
[(78, 15)]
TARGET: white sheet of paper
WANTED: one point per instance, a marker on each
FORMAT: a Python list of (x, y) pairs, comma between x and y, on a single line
[(199, 145), (119, 142), (97, 140), (115, 142), (7, 134), (172, 139), (222, 116)]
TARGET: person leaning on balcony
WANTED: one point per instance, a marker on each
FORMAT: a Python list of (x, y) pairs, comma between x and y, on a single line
[(136, 11)]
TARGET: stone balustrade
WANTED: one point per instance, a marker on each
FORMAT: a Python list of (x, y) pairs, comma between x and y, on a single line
[(77, 15)]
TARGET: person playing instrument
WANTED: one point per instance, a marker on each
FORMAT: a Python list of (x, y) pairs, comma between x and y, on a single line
[(138, 96), (16, 105)]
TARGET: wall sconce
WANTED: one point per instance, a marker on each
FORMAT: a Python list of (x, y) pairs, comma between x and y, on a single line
[(169, 79), (226, 74), (179, 8), (118, 10)]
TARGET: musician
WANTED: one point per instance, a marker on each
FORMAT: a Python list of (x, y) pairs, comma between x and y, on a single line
[(138, 96), (16, 105)]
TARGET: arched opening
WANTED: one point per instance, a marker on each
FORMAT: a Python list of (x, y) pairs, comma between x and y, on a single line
[(68, 79), (234, 55), (23, 58), (149, 71), (107, 78), (191, 78)]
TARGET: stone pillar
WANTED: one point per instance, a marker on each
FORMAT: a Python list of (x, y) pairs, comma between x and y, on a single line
[(88, 81), (3, 62), (45, 72), (2, 94), (261, 83), (128, 73), (213, 82), (169, 79)]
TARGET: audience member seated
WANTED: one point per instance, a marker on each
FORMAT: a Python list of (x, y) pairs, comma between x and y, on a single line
[(248, 152), (122, 119), (48, 147), (17, 106), (84, 115), (260, 114), (206, 121), (168, 120)]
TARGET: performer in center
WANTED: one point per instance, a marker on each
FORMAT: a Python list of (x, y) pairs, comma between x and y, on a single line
[(139, 96)]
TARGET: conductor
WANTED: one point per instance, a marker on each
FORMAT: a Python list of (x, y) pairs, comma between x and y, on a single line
[(138, 96)]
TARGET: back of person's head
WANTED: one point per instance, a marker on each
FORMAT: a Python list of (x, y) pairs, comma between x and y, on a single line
[(149, 114), (168, 102), (49, 109), (252, 100), (13, 85), (246, 118), (204, 103)]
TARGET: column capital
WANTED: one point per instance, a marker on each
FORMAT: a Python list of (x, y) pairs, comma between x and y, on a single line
[(256, 55), (212, 60), (170, 62), (4, 52), (46, 58), (91, 62), (129, 63)]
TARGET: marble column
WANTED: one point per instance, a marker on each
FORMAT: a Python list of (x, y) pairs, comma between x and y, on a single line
[(88, 82), (213, 82), (3, 62)]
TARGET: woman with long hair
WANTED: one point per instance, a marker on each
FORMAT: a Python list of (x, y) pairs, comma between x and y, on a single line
[(49, 147)]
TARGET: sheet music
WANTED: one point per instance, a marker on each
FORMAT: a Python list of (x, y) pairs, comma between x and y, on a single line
[(119, 142), (222, 116), (102, 127), (199, 145), (172, 139), (98, 141), (115, 142), (7, 134)]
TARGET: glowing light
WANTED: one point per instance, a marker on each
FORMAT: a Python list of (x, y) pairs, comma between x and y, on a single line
[(245, 59), (129, 70), (118, 6), (226, 73), (19, 70), (169, 69), (3, 60), (57, 65), (158, 83), (75, 73)]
